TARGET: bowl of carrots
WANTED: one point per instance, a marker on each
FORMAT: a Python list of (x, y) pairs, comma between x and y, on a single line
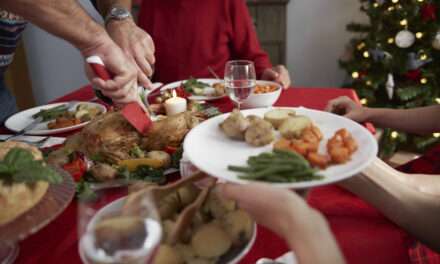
[(265, 94)]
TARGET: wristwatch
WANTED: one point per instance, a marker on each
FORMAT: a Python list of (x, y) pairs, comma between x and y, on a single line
[(117, 13)]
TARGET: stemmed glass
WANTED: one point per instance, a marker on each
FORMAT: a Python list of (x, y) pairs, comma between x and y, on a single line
[(240, 80), (116, 231)]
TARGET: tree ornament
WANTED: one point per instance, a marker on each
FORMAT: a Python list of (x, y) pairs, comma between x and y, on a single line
[(390, 86), (436, 41), (405, 39), (414, 61), (413, 75), (428, 12)]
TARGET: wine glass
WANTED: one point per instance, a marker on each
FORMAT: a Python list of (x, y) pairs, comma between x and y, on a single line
[(121, 230), (240, 80)]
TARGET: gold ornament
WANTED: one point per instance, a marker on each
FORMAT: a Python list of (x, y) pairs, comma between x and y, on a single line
[(364, 101), (394, 134), (376, 5), (423, 57), (403, 22), (436, 135), (361, 45), (366, 54), (390, 40), (423, 81), (419, 35), (395, 1), (369, 83)]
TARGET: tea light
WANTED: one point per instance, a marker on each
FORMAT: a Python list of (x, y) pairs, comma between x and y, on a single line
[(175, 105)]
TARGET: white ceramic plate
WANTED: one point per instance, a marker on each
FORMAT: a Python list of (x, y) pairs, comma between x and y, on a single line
[(22, 119), (232, 257), (177, 84), (212, 151)]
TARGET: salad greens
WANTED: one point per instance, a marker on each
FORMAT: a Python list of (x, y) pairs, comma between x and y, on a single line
[(52, 113), (19, 165), (194, 86)]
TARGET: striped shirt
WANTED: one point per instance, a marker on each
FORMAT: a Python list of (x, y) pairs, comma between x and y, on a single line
[(11, 28)]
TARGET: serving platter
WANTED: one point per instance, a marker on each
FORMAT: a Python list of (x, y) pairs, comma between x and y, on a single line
[(212, 152), (21, 119)]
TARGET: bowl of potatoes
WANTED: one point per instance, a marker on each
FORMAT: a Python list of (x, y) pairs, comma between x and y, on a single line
[(219, 232)]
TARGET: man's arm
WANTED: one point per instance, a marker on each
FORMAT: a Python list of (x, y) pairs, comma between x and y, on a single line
[(68, 20), (135, 42), (410, 201)]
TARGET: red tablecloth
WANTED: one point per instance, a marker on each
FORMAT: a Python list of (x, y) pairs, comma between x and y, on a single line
[(362, 240)]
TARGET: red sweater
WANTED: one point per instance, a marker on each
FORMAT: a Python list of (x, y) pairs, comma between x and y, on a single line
[(191, 35)]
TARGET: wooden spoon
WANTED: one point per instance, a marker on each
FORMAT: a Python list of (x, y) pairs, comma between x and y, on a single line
[(186, 216), (157, 193)]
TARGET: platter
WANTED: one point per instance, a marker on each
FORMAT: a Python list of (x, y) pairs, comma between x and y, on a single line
[(177, 84), (212, 152), (56, 199), (22, 119)]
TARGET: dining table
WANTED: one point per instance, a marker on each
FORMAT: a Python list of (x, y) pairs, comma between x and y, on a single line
[(363, 236)]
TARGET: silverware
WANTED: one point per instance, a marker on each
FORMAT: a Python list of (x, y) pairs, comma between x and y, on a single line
[(26, 129), (213, 73), (268, 261)]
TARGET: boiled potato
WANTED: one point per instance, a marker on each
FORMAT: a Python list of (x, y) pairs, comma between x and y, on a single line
[(211, 241), (161, 156), (217, 206), (169, 206), (259, 133), (188, 194), (277, 116), (167, 226), (235, 125), (186, 251), (238, 224), (167, 255), (292, 127)]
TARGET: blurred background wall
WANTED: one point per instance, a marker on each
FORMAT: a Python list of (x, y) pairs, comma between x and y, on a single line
[(316, 38)]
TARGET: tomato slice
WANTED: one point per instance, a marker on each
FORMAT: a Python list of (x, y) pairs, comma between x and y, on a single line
[(170, 149), (77, 168)]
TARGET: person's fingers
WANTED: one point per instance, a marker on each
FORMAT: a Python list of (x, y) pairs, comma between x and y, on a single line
[(143, 64), (340, 102)]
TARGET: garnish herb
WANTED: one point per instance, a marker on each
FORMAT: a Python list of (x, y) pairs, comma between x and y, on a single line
[(19, 165), (192, 83), (51, 113)]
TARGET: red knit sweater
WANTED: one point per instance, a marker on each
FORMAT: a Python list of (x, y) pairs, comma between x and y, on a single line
[(191, 35)]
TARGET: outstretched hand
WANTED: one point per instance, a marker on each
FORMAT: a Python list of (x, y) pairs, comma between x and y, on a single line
[(348, 108)]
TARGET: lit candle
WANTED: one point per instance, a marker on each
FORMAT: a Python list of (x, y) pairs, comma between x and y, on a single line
[(175, 105)]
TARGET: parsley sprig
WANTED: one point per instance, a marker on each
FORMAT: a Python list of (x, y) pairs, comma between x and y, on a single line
[(19, 165)]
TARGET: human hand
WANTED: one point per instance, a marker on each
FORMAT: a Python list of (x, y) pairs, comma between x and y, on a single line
[(137, 46), (280, 210), (347, 107), (122, 89), (278, 74), (288, 215)]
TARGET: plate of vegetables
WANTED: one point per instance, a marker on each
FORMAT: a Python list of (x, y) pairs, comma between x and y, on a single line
[(286, 147), (199, 89), (56, 118)]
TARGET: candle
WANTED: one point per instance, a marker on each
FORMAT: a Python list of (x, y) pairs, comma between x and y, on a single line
[(175, 105)]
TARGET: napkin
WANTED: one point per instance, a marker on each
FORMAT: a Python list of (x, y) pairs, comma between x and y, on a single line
[(52, 141), (287, 258)]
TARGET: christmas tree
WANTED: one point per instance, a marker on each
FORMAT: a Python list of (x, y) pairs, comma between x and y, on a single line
[(394, 61)]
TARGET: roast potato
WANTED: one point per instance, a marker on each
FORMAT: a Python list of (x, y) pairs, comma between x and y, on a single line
[(103, 172), (167, 254), (292, 127), (210, 241), (277, 116), (161, 156), (259, 133), (235, 125), (238, 224)]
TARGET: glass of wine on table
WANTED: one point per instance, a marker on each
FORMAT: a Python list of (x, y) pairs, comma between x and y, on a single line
[(240, 80)]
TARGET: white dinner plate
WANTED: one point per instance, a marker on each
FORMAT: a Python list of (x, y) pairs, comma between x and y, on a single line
[(177, 84), (212, 151), (21, 119)]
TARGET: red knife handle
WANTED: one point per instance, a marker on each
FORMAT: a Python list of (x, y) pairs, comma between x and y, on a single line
[(99, 68)]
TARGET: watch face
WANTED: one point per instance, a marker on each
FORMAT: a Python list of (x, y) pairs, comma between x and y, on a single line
[(120, 13)]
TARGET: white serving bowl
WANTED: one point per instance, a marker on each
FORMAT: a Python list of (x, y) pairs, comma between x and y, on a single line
[(263, 99)]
